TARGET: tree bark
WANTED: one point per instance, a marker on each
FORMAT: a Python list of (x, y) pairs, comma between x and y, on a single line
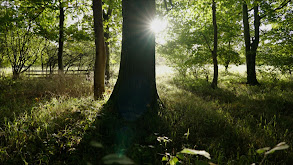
[(107, 43), (229, 55), (135, 92), (252, 78), (15, 75), (215, 50), (100, 60), (251, 47), (61, 38)]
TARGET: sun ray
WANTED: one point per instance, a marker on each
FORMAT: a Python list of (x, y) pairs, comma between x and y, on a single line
[(158, 25)]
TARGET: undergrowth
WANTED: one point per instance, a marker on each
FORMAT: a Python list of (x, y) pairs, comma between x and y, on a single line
[(44, 120), (56, 121), (19, 96), (232, 121)]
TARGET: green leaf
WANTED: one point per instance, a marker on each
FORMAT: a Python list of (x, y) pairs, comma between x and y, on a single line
[(180, 156), (164, 158), (174, 161), (196, 152), (280, 146), (262, 150)]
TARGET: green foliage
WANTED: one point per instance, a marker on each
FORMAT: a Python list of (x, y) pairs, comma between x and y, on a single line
[(267, 151), (195, 152), (189, 39), (79, 54), (277, 50), (227, 56), (32, 32), (22, 48)]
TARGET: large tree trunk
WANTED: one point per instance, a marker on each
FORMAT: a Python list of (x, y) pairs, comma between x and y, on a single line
[(214, 52), (61, 38), (135, 91), (251, 48), (100, 61)]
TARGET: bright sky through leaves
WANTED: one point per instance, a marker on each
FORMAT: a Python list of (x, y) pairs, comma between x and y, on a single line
[(158, 25)]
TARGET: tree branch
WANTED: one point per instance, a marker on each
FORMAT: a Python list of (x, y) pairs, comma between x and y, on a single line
[(278, 8), (206, 40)]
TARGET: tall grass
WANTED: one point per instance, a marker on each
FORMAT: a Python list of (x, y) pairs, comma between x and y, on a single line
[(230, 122), (54, 121), (18, 96), (43, 119)]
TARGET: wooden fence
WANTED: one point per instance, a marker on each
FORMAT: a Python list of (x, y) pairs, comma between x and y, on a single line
[(47, 73)]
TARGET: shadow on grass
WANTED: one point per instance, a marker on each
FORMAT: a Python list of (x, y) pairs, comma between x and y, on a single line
[(271, 98), (202, 88), (16, 97), (115, 140)]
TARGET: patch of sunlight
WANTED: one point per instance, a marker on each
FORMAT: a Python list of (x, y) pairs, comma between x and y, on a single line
[(164, 70)]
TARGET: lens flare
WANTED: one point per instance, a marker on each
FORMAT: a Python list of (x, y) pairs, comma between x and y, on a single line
[(158, 25)]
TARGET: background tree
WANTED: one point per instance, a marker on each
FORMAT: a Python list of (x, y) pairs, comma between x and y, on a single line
[(191, 40), (277, 41), (107, 16), (251, 44), (215, 49), (61, 37), (231, 33), (19, 42), (62, 6), (112, 19), (100, 60), (267, 8), (228, 55)]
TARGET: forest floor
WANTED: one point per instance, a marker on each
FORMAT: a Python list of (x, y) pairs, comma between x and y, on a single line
[(56, 121)]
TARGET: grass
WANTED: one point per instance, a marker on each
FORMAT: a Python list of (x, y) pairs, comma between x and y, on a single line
[(18, 96), (42, 119), (233, 121), (56, 121)]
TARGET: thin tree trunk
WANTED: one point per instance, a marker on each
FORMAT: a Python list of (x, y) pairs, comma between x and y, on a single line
[(227, 61), (107, 43), (15, 75), (61, 39), (214, 52), (100, 60)]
